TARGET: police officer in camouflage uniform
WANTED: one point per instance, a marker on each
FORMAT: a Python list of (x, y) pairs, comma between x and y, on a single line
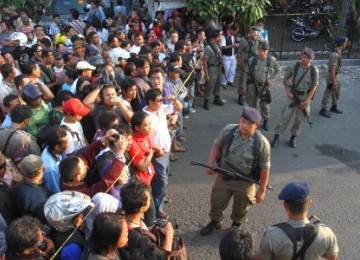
[(235, 146), (248, 48), (259, 75), (212, 67), (332, 91), (276, 244), (300, 89)]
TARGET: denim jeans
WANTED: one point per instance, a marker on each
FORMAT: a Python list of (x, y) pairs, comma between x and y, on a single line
[(160, 180), (150, 215)]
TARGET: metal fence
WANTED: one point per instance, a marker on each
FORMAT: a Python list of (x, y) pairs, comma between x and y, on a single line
[(284, 47)]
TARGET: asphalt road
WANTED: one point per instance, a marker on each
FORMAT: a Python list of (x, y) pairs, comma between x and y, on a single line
[(328, 156)]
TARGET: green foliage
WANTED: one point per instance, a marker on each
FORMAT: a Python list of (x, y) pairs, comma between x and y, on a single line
[(32, 7), (246, 12)]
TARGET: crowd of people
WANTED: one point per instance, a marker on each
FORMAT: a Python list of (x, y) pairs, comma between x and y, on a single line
[(92, 113)]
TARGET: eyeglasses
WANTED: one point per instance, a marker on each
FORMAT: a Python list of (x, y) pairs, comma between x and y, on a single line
[(159, 100)]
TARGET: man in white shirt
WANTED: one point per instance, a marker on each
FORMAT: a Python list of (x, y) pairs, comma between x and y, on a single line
[(160, 137)]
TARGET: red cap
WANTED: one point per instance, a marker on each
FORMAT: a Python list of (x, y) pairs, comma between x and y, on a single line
[(76, 107)]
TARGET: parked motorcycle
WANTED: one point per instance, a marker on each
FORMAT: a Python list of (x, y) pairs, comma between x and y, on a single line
[(322, 26)]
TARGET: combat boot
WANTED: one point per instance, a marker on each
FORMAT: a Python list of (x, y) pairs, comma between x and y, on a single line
[(241, 100), (335, 109), (218, 101), (275, 141), (292, 141), (323, 112), (209, 228), (206, 104), (265, 125)]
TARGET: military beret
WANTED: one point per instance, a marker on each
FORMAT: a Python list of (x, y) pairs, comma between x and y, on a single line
[(251, 114), (264, 45), (340, 40), (255, 28), (295, 191), (309, 52)]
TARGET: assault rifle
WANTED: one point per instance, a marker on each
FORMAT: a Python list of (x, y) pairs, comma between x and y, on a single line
[(233, 174), (297, 102)]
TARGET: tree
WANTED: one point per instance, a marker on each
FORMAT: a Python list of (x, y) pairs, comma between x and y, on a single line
[(246, 12), (34, 9)]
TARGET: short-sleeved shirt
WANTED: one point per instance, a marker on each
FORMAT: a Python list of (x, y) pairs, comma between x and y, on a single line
[(76, 140), (275, 244), (306, 83), (20, 139), (213, 57), (261, 71), (160, 135), (39, 118), (248, 48), (334, 60), (140, 147), (240, 155)]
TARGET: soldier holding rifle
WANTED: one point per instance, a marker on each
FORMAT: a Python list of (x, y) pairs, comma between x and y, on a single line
[(242, 149), (300, 82)]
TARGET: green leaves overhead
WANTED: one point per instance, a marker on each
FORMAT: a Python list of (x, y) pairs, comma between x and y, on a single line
[(246, 12)]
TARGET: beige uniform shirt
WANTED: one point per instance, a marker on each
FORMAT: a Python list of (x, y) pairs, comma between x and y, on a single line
[(261, 71), (240, 155), (275, 244)]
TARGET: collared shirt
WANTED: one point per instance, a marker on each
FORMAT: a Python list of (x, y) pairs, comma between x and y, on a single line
[(177, 87), (39, 118), (51, 173), (160, 133), (276, 245)]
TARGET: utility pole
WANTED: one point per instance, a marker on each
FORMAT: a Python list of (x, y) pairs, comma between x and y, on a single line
[(343, 17)]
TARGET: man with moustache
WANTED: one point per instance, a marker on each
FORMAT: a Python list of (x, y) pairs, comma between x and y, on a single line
[(242, 149)]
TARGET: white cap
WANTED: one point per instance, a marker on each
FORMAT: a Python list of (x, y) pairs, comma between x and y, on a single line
[(84, 65)]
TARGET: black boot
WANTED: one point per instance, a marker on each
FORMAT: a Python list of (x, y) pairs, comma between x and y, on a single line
[(241, 100), (323, 112), (275, 141), (265, 125), (293, 141), (335, 109), (218, 101), (209, 228), (206, 104)]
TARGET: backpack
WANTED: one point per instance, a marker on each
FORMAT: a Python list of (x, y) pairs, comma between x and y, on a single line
[(229, 138), (178, 251), (306, 234)]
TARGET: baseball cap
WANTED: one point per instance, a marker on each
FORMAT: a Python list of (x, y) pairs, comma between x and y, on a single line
[(174, 68), (77, 44), (295, 191), (309, 52), (61, 208), (30, 165), (251, 114), (84, 65), (32, 91), (76, 107)]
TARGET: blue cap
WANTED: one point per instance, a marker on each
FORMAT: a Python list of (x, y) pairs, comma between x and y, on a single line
[(251, 114), (340, 40), (298, 191)]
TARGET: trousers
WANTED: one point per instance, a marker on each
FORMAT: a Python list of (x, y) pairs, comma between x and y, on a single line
[(330, 96), (229, 69), (252, 99), (287, 114), (213, 86), (222, 191), (160, 181)]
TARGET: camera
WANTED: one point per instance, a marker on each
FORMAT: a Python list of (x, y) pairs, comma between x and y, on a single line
[(160, 222), (265, 96)]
